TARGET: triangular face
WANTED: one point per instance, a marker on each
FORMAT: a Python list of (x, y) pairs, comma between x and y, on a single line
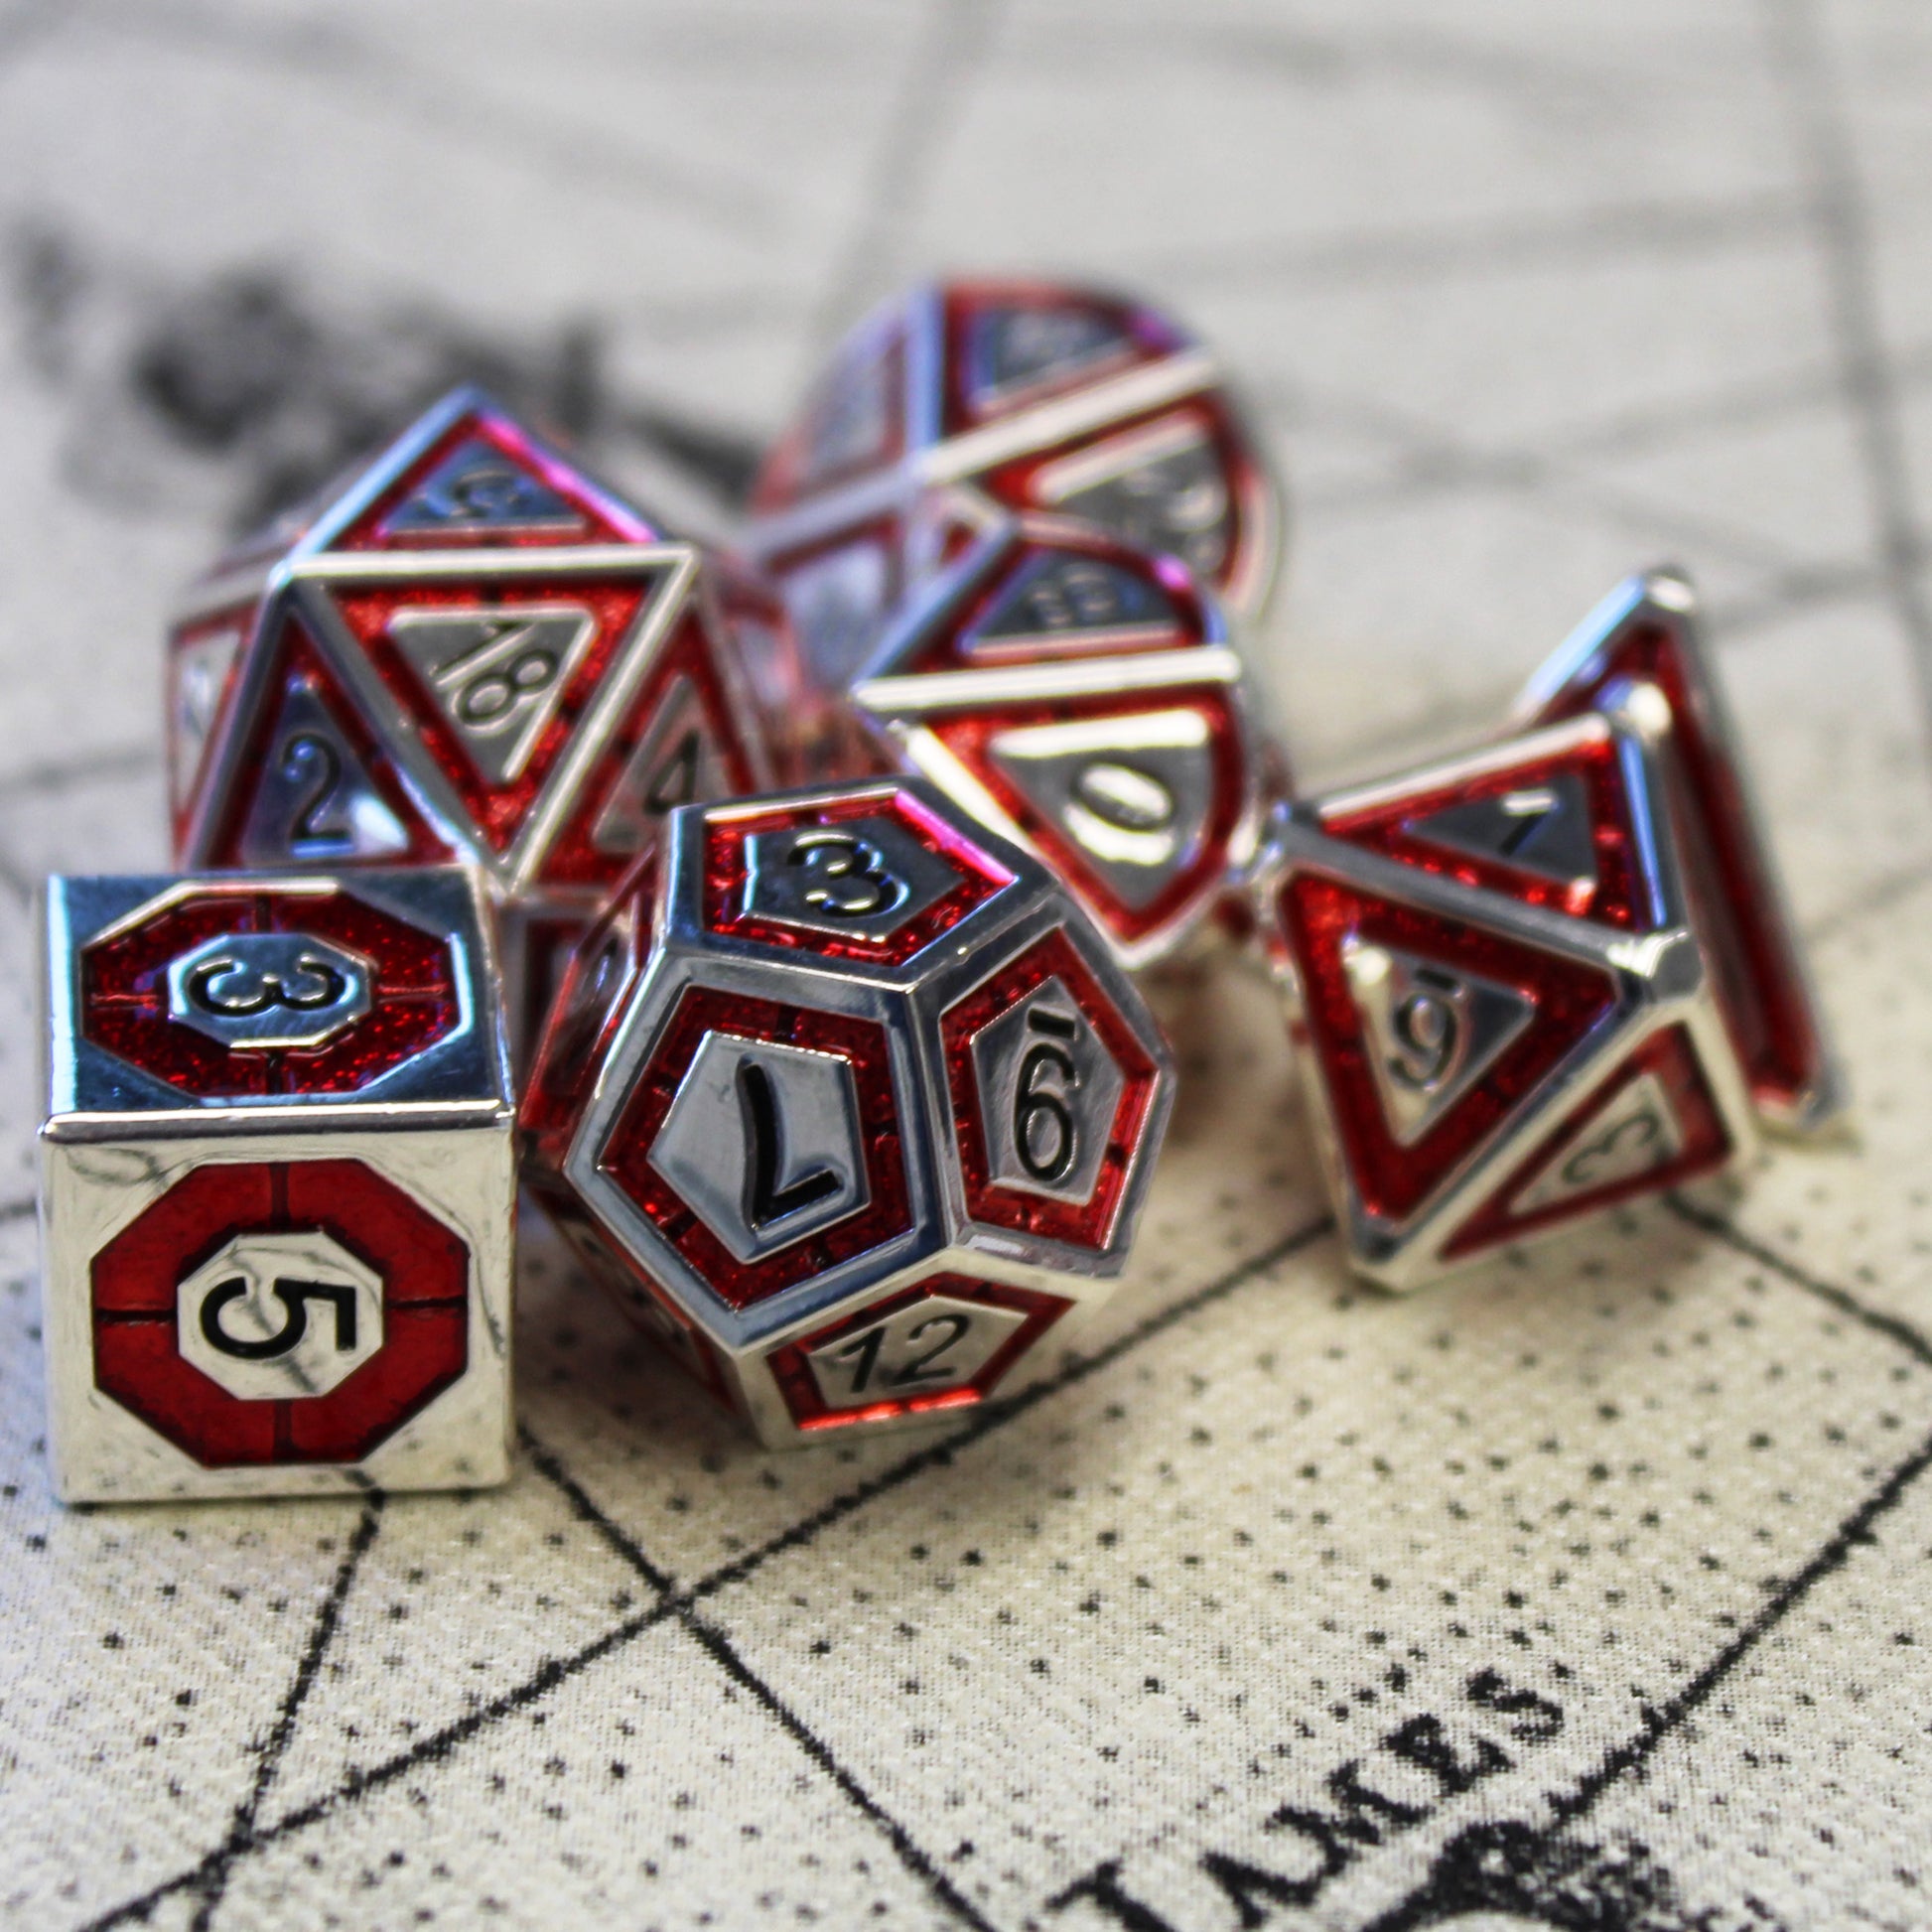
[(1647, 635), (1060, 601), (1558, 826), (678, 744), (1015, 349), (1652, 1125), (1427, 1031), (313, 789), (497, 674), (483, 481), (1136, 809), (200, 666)]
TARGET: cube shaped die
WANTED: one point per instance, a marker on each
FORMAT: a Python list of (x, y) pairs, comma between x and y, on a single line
[(850, 1104), (277, 1185)]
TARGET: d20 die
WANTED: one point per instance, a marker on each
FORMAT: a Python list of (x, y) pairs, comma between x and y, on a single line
[(1504, 1016), (848, 1103), (1082, 700), (277, 1185), (1641, 651), (959, 403), (472, 651)]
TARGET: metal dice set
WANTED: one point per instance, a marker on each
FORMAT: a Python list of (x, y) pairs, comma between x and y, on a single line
[(844, 1090)]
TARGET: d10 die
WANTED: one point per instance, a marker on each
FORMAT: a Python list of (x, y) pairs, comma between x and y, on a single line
[(962, 402), (1505, 1019), (1641, 650), (471, 651), (1083, 698), (850, 1104), (277, 1187)]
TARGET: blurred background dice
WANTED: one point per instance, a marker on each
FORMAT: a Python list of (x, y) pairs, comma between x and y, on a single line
[(277, 1185), (850, 1104), (468, 650)]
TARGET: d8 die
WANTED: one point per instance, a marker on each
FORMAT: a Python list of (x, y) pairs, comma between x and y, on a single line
[(471, 651), (1641, 648), (959, 403), (850, 1104), (277, 1187), (1084, 700), (1505, 1018)]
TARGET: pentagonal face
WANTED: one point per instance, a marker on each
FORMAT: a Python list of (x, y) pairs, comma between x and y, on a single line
[(248, 990), (944, 1343), (280, 1311), (1053, 1094), (873, 876), (280, 1317), (763, 1141)]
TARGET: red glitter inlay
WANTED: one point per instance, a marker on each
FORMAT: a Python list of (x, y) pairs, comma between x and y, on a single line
[(124, 994), (981, 875), (1146, 337), (793, 1373), (300, 664), (575, 859), (1672, 1057), (1761, 985), (602, 518), (241, 622), (425, 1272), (945, 648), (498, 812), (1091, 1223), (626, 1155), (1018, 484), (1617, 896), (583, 1014), (1570, 999), (969, 735)]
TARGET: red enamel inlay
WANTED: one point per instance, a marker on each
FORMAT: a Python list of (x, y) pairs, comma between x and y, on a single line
[(601, 518), (1616, 898), (300, 664), (1761, 985), (1091, 1223), (1570, 999), (626, 1155), (574, 858), (969, 735), (1673, 1060), (413, 1000), (980, 876), (498, 812), (793, 1373), (425, 1271)]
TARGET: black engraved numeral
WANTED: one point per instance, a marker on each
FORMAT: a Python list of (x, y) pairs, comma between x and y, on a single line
[(765, 1200), (231, 988), (1641, 1133), (489, 695), (316, 760), (675, 781), (1529, 812), (1044, 1136), (850, 878), (294, 1296), (1427, 1031), (863, 1352)]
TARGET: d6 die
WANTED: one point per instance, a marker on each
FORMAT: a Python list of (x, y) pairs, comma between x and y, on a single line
[(1505, 1018), (277, 1187), (1641, 648), (1083, 699), (959, 403), (471, 651), (850, 1104)]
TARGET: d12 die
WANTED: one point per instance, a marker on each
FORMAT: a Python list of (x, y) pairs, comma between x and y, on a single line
[(1504, 1016), (472, 651), (850, 1104), (1084, 700), (962, 402), (277, 1187), (1641, 650)]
